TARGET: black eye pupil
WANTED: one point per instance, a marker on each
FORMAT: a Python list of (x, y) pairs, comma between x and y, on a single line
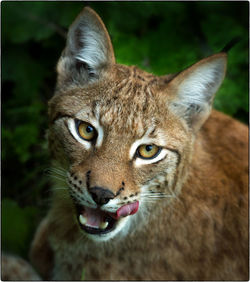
[(148, 148), (89, 129)]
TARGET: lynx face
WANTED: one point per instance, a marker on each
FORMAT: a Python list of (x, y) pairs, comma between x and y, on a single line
[(122, 136)]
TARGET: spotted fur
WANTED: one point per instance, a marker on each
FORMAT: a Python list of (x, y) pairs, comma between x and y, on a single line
[(192, 218)]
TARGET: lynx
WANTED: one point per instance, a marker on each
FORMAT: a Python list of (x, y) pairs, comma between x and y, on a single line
[(149, 182)]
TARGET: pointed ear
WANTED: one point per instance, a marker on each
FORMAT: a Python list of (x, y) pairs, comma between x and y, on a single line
[(194, 88), (88, 48)]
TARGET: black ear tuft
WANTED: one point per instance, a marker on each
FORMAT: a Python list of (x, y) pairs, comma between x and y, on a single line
[(231, 44)]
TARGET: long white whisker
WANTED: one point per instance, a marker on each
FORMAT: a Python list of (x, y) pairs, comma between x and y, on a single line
[(54, 170), (58, 177), (55, 173), (58, 169)]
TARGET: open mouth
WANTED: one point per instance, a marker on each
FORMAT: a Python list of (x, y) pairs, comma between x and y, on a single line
[(96, 221)]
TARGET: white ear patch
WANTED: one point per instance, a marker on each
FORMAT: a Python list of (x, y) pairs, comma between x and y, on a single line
[(201, 84), (92, 51), (195, 88), (88, 41)]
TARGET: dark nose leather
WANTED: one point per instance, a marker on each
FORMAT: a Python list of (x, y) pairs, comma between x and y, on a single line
[(100, 195)]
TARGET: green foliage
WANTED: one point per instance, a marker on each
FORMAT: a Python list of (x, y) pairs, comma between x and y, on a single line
[(160, 37), (17, 225)]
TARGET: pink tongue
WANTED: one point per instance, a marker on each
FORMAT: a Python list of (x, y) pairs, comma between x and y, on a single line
[(95, 217), (128, 209)]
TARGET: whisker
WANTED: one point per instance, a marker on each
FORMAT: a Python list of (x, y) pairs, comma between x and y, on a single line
[(58, 177), (58, 168), (54, 170), (51, 173), (60, 188), (149, 201), (156, 195)]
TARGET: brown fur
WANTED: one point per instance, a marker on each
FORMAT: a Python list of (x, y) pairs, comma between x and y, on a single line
[(15, 268), (201, 234)]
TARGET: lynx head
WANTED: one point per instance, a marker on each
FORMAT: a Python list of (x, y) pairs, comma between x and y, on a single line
[(123, 137)]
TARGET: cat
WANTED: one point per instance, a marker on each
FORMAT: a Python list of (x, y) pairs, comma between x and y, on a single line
[(150, 182)]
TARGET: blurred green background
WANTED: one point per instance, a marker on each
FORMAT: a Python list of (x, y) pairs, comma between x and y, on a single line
[(160, 37)]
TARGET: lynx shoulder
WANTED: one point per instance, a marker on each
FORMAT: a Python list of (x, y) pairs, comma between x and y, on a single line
[(151, 183)]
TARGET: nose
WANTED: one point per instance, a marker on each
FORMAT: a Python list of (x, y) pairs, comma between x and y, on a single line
[(100, 195)]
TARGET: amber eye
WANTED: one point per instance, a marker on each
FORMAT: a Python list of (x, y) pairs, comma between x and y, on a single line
[(86, 130), (148, 151)]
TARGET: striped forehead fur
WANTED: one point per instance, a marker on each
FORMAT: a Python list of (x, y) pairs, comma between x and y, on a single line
[(129, 106), (126, 99)]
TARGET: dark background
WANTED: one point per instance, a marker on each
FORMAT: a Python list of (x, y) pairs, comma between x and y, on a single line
[(160, 37)]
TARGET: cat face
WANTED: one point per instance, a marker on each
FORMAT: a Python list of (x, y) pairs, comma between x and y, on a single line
[(123, 137)]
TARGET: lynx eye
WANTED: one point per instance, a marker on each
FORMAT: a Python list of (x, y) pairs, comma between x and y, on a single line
[(148, 151), (85, 130)]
